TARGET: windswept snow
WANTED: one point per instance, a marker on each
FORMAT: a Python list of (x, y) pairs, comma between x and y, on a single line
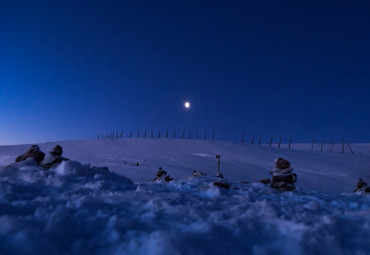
[(80, 208), (330, 172)]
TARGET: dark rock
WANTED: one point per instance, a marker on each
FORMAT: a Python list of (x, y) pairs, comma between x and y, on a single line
[(281, 163), (33, 152), (282, 176), (54, 157), (57, 150), (160, 172), (290, 178), (167, 178), (360, 184), (52, 160), (162, 175)]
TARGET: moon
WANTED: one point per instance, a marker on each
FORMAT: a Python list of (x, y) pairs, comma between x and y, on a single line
[(187, 105)]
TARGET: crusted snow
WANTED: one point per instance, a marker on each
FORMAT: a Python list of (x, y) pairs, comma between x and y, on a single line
[(80, 208)]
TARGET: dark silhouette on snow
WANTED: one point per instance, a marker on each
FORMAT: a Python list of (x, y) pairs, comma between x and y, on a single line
[(360, 184), (282, 176), (162, 175), (33, 152), (54, 157)]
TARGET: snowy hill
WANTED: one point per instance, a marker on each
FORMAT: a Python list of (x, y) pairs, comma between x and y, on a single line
[(78, 207), (331, 172)]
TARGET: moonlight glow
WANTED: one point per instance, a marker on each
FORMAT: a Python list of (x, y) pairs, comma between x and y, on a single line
[(187, 105)]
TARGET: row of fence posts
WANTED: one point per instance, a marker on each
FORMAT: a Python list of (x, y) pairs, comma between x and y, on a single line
[(252, 141), (332, 146), (190, 135)]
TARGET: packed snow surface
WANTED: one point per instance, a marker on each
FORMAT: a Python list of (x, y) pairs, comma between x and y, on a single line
[(78, 207)]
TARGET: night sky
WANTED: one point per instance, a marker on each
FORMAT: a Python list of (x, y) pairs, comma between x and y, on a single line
[(76, 69)]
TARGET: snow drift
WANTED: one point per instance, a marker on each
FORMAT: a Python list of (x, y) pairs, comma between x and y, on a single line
[(76, 208)]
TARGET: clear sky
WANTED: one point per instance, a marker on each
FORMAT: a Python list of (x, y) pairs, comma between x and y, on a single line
[(76, 69)]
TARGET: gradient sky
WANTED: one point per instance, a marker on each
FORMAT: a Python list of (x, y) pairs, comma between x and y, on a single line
[(76, 69)]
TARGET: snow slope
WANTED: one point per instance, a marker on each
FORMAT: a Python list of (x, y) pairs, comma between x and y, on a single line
[(331, 172), (76, 208)]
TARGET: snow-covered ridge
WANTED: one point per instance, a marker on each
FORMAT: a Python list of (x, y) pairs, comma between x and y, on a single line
[(332, 172)]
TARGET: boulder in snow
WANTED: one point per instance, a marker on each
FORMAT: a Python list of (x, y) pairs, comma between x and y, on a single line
[(33, 152), (162, 175), (282, 176), (54, 158), (360, 184), (281, 163)]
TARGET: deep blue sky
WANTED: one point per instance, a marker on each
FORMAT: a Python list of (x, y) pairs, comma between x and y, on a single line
[(74, 69)]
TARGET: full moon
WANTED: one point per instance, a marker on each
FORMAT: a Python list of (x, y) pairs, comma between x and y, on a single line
[(187, 105)]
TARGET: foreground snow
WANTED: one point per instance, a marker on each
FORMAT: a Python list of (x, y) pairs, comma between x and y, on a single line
[(79, 209)]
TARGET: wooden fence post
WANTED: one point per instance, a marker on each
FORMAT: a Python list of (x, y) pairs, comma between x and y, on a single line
[(290, 142), (332, 145), (252, 140), (272, 137), (343, 146), (174, 135), (349, 146), (322, 144), (279, 142), (313, 143), (259, 141)]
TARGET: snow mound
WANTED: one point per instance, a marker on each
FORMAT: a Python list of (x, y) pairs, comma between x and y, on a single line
[(78, 209), (75, 168)]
